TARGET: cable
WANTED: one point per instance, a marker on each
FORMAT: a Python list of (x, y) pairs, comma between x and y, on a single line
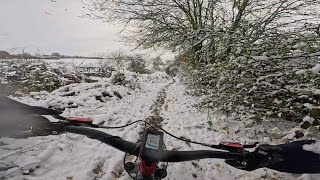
[(170, 134), (182, 139), (118, 127), (152, 126), (147, 123), (124, 162), (179, 138)]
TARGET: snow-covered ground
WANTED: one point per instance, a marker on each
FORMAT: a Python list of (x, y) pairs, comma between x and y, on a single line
[(76, 156), (70, 156)]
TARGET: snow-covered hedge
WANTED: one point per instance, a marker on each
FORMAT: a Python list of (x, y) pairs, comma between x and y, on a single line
[(277, 77), (33, 75), (81, 94), (261, 86), (87, 97)]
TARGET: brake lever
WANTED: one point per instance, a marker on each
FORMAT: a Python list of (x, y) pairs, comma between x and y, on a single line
[(42, 126), (263, 156), (240, 163), (47, 128), (253, 145), (77, 121), (235, 147)]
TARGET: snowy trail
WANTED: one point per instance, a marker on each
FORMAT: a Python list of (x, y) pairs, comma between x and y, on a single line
[(182, 118), (159, 100), (156, 118), (78, 157)]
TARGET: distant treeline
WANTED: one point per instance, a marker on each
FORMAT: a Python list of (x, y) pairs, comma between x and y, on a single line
[(7, 55)]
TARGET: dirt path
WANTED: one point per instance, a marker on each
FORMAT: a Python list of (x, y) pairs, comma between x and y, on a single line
[(156, 119)]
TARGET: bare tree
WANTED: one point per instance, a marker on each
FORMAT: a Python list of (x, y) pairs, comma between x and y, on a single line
[(208, 29), (119, 58), (22, 54)]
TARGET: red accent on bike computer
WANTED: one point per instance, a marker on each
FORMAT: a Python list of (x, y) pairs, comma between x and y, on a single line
[(82, 120), (147, 169)]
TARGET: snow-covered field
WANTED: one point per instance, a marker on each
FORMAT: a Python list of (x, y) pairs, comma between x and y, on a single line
[(70, 156)]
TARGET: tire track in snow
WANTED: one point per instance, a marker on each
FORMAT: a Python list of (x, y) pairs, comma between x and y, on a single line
[(156, 119)]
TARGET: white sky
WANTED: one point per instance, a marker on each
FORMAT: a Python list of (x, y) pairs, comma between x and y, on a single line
[(45, 27)]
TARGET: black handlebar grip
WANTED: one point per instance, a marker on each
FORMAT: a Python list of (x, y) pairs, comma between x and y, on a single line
[(114, 141), (15, 108), (296, 159)]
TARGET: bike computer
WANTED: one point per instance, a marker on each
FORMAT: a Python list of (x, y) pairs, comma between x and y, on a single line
[(152, 145)]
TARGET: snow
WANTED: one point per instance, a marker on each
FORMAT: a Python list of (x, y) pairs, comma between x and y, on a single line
[(302, 71), (315, 147), (308, 119), (276, 101), (12, 73), (260, 58), (240, 85), (4, 82), (315, 69), (292, 133), (300, 45), (269, 76), (78, 157), (308, 105)]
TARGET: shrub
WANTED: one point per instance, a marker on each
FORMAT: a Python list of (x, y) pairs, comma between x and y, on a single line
[(137, 64), (33, 76), (274, 83)]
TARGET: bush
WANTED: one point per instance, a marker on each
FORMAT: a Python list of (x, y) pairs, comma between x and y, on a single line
[(157, 63), (137, 64), (172, 69), (275, 83), (121, 79), (33, 76)]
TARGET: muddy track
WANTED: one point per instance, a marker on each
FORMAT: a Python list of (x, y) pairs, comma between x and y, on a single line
[(156, 119)]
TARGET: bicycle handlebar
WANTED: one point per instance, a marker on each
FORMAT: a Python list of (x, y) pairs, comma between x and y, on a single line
[(114, 141), (180, 156), (274, 157), (133, 149)]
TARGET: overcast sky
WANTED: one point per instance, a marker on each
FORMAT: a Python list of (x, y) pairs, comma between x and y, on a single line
[(44, 26)]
